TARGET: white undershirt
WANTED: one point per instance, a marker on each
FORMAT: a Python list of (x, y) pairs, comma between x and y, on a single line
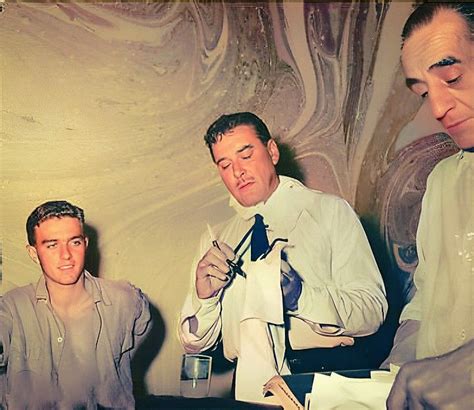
[(78, 373)]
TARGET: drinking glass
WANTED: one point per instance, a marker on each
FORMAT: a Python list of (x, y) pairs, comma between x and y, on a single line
[(195, 375)]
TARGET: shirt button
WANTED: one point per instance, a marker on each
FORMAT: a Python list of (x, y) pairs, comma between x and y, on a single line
[(60, 339)]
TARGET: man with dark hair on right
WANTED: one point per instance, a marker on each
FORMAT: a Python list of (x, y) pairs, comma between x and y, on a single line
[(437, 326)]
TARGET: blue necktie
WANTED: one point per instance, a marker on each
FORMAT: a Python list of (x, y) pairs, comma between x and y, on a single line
[(259, 241)]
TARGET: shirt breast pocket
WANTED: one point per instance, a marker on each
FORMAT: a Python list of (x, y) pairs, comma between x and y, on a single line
[(310, 250), (25, 368), (26, 358)]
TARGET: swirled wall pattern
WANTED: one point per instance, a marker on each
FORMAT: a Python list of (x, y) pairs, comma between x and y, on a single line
[(105, 104)]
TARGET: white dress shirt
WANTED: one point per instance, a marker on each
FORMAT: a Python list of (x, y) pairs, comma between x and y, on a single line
[(443, 302), (342, 294)]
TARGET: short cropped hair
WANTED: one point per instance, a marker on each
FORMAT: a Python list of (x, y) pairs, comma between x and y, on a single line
[(424, 14), (228, 122), (51, 209)]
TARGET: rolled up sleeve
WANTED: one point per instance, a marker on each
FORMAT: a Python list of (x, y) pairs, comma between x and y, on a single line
[(350, 297), (199, 325), (142, 314)]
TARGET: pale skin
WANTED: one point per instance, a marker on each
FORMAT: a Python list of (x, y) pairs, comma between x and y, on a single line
[(439, 66), (60, 247), (247, 168)]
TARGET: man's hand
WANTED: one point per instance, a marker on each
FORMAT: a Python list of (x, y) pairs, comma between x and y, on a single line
[(212, 270), (436, 383), (291, 286)]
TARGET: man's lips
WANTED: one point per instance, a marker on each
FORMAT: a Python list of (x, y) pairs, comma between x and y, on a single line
[(244, 185), (66, 267), (455, 125)]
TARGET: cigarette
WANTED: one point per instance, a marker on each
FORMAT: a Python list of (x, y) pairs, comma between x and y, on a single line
[(213, 237)]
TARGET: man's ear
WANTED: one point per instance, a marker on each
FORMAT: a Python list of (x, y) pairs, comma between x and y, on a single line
[(273, 150), (33, 254), (86, 241)]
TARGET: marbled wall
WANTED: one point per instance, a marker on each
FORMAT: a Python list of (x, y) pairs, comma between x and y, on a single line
[(105, 104)]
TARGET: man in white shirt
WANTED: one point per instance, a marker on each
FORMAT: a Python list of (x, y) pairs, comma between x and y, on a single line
[(314, 282), (437, 325)]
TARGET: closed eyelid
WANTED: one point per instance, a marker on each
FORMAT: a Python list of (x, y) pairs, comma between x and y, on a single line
[(454, 80), (447, 69), (224, 164), (418, 88), (247, 152)]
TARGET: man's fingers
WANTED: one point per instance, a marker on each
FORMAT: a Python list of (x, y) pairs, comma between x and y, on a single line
[(218, 274), (226, 250), (218, 260), (414, 402), (223, 253), (213, 258), (397, 399)]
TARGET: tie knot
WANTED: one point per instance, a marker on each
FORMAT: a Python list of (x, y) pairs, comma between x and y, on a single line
[(258, 219)]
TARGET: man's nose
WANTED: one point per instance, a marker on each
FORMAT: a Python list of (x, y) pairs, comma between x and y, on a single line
[(238, 170), (65, 252), (441, 101)]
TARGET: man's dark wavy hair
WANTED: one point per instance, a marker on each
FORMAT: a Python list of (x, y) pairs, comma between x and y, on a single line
[(228, 122), (51, 209), (425, 12)]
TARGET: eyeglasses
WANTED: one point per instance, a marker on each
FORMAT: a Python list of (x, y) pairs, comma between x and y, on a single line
[(236, 267)]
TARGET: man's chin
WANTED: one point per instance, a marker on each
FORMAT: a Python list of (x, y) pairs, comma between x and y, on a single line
[(464, 138), (248, 202), (71, 281)]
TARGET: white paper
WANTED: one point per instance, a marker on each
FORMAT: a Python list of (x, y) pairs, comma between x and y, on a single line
[(343, 393)]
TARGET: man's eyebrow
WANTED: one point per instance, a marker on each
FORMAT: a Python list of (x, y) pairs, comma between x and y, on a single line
[(241, 149), (48, 241), (445, 62), (244, 148), (411, 81), (45, 241)]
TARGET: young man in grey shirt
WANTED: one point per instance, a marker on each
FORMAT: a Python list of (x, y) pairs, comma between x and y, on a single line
[(67, 341)]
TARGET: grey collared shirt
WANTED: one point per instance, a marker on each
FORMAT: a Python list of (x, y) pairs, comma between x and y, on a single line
[(32, 340)]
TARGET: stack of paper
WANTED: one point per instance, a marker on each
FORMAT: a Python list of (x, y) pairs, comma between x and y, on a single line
[(343, 393)]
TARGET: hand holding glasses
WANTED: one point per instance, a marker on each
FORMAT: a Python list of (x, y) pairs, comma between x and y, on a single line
[(235, 267)]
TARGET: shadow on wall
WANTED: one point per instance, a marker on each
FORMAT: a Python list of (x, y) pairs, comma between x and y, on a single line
[(288, 165), (381, 342), (92, 255), (147, 352), (150, 347)]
